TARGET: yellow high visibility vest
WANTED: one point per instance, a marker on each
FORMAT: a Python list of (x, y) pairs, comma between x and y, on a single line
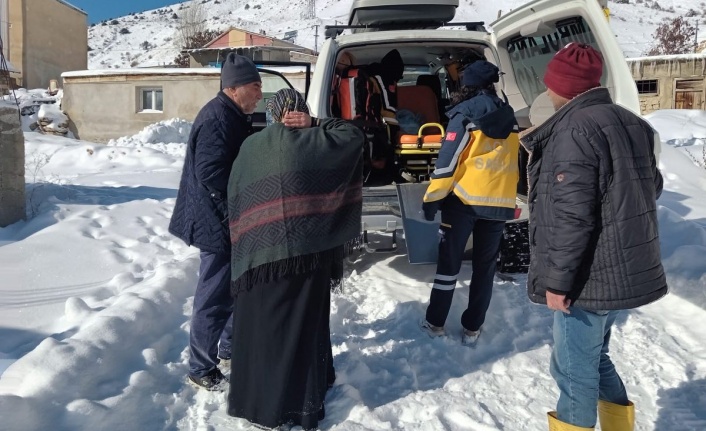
[(486, 174)]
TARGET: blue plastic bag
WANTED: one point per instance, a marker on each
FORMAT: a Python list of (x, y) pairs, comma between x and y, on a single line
[(409, 121)]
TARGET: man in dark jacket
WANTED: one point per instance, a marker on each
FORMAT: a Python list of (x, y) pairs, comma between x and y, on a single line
[(200, 215), (594, 183)]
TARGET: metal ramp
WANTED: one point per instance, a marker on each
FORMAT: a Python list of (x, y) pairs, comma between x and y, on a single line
[(421, 236)]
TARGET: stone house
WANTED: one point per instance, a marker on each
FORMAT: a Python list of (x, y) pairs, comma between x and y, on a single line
[(259, 47), (140, 97), (42, 39), (107, 104), (670, 81)]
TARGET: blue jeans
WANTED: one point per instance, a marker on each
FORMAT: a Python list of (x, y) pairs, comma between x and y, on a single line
[(212, 316), (581, 366)]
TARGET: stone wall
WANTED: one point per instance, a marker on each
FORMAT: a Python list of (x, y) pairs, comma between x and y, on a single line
[(667, 74), (12, 166)]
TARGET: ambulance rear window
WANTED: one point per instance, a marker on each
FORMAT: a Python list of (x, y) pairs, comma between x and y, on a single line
[(530, 55)]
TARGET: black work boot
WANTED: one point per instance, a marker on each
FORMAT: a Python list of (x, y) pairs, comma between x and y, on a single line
[(213, 381)]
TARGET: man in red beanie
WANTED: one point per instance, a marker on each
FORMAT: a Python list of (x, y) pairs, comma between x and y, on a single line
[(593, 184)]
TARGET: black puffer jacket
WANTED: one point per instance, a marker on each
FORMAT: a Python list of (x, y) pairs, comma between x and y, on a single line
[(593, 224), (201, 211)]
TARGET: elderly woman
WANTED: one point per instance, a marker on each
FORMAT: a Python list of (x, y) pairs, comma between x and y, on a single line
[(294, 203)]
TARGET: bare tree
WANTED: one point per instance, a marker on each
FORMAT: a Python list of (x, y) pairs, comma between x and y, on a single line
[(191, 21), (198, 40), (673, 37)]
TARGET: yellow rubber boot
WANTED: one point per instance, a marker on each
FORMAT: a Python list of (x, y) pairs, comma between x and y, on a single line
[(614, 417), (557, 425)]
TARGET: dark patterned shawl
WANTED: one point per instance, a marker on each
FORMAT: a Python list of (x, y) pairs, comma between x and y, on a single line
[(293, 194)]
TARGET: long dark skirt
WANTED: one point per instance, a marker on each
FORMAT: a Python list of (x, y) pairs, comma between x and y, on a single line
[(281, 363)]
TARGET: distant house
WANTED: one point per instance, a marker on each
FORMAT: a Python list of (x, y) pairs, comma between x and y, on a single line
[(108, 104), (258, 47), (41, 39), (670, 81)]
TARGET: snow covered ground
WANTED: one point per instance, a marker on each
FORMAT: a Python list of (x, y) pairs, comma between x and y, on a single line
[(95, 298)]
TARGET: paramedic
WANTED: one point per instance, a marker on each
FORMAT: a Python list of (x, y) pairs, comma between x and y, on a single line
[(474, 186)]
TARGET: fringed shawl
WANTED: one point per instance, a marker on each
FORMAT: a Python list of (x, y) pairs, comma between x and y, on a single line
[(294, 201)]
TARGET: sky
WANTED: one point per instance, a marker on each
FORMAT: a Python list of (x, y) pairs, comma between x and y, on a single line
[(95, 299), (99, 10)]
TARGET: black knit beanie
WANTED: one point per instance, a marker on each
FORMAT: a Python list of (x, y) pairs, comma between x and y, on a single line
[(392, 66), (238, 70), (480, 74)]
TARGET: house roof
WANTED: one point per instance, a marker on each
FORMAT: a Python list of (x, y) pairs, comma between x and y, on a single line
[(693, 56), (246, 47), (228, 30), (170, 71), (251, 33), (73, 7)]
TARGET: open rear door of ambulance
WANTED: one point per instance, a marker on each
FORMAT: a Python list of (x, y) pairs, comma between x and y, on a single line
[(528, 37)]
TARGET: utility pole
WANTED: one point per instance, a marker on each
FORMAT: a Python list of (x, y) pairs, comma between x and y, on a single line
[(316, 39), (696, 36)]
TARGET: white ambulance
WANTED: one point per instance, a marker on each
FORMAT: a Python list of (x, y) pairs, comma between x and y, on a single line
[(434, 49)]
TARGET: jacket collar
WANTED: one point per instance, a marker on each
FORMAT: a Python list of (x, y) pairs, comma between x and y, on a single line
[(493, 116), (228, 102), (540, 135)]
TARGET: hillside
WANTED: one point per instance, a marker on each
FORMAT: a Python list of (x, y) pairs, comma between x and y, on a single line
[(147, 38)]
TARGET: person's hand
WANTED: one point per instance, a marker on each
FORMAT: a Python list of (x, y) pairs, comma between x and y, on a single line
[(558, 302), (299, 120), (430, 209)]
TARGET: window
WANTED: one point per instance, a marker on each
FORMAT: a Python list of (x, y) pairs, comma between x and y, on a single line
[(530, 55), (646, 86), (411, 73), (151, 100), (690, 85), (271, 84)]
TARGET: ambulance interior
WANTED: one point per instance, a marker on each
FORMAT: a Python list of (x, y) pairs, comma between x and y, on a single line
[(432, 73)]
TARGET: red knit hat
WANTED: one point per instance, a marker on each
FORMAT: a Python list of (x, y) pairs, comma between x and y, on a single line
[(576, 68)]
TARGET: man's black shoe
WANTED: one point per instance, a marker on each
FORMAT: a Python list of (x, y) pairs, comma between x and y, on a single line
[(213, 381)]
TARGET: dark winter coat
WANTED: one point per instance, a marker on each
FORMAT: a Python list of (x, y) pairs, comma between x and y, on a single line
[(478, 159), (200, 215), (593, 222)]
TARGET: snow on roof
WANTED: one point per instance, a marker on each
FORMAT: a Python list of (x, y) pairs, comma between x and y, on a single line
[(694, 56), (73, 7), (167, 71), (255, 47), (242, 30), (250, 33), (143, 71)]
